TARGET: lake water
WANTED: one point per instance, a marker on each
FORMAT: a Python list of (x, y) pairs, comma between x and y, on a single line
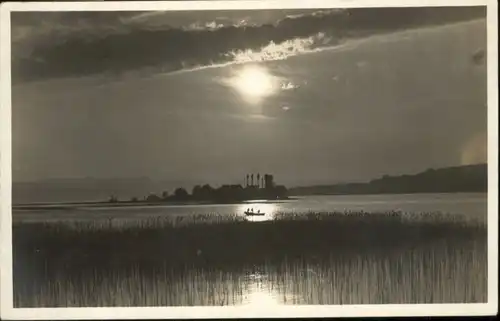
[(415, 273), (471, 205)]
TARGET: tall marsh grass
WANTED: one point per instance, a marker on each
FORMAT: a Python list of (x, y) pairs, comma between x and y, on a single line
[(313, 258)]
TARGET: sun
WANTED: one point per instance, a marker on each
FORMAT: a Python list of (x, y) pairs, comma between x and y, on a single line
[(254, 83)]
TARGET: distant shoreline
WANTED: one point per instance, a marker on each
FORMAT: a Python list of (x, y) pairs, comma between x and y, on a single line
[(459, 179)]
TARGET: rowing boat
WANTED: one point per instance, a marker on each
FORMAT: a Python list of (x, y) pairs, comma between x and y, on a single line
[(248, 213)]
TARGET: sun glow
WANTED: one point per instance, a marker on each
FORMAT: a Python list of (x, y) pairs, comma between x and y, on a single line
[(254, 83)]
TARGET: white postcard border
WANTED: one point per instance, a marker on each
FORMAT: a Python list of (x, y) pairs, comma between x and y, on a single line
[(8, 312)]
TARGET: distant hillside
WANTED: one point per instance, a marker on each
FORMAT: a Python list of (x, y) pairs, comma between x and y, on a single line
[(470, 178)]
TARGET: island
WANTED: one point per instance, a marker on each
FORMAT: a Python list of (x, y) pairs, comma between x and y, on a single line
[(256, 187)]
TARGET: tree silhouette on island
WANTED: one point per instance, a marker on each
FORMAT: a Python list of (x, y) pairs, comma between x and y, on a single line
[(265, 189)]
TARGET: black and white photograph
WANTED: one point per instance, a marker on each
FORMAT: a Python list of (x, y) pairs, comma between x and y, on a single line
[(255, 158)]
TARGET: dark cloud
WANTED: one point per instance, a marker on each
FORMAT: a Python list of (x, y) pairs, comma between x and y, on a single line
[(48, 45)]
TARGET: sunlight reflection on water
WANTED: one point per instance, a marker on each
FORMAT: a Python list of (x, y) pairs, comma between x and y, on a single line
[(259, 291), (265, 289), (260, 294), (269, 210)]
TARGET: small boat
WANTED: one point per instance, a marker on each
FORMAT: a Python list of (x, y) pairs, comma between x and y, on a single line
[(252, 213)]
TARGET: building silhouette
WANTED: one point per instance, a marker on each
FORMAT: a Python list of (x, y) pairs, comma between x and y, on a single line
[(268, 181), (265, 181)]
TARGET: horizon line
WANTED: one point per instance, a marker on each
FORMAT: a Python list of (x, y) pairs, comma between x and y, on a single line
[(163, 179)]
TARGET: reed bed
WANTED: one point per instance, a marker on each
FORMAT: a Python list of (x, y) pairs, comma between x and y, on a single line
[(312, 258)]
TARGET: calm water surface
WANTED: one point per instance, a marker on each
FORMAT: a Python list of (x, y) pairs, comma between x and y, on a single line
[(471, 205)]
